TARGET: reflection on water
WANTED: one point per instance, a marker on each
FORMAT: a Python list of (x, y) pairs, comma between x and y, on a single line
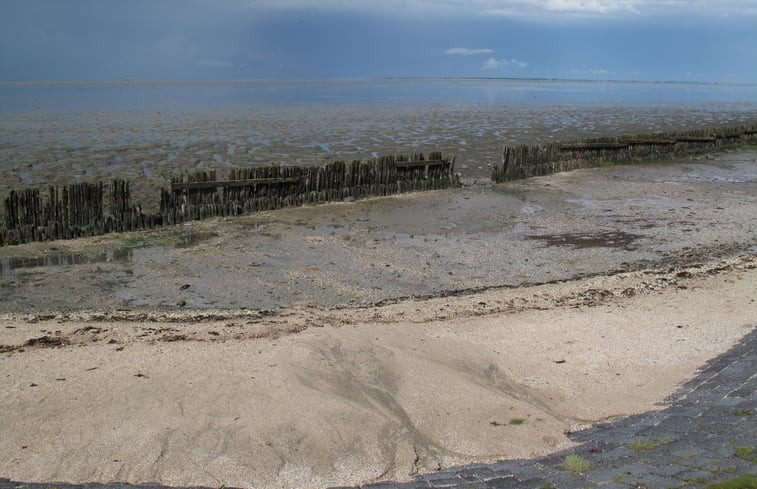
[(189, 240), (8, 265)]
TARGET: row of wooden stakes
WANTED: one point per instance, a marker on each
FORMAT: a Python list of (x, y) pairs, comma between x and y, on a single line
[(89, 209), (528, 160)]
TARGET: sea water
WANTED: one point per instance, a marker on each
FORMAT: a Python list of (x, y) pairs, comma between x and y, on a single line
[(20, 97)]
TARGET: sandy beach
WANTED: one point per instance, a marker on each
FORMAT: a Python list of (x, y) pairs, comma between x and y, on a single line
[(374, 340), (312, 397)]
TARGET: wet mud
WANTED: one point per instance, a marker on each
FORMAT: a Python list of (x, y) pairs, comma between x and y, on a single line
[(606, 239), (430, 244), (120, 329)]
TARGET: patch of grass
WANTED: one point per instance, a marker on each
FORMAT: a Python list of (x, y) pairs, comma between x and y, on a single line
[(696, 481), (743, 452), (516, 421), (547, 485), (575, 463), (741, 412), (642, 445), (742, 482), (747, 453)]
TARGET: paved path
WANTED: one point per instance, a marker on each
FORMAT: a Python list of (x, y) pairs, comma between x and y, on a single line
[(707, 434)]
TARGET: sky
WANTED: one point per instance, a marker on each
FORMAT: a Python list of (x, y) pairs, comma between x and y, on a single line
[(648, 40)]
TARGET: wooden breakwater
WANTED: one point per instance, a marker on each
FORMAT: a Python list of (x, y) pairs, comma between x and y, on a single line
[(246, 190), (90, 209), (71, 211), (526, 160)]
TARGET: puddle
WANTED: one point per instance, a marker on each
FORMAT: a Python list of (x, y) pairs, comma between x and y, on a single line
[(605, 239), (8, 265), (189, 240)]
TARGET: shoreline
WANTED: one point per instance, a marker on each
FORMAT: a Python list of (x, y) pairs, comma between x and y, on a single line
[(615, 284)]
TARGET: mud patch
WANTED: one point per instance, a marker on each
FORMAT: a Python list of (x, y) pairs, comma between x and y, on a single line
[(604, 239)]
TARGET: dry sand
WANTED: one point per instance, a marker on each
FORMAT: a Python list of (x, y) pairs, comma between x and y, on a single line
[(311, 397)]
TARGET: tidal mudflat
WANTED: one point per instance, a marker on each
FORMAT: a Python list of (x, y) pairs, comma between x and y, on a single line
[(147, 147), (483, 235)]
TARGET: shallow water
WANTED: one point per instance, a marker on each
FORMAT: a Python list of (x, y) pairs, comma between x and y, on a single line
[(49, 97), (9, 265), (54, 257)]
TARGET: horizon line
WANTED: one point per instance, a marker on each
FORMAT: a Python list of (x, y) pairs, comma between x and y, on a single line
[(356, 79)]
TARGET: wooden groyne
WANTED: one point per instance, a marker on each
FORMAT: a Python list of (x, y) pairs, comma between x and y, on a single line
[(525, 160), (201, 195), (71, 211), (90, 209)]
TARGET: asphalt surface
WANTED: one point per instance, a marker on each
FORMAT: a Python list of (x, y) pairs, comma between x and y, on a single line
[(707, 434)]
